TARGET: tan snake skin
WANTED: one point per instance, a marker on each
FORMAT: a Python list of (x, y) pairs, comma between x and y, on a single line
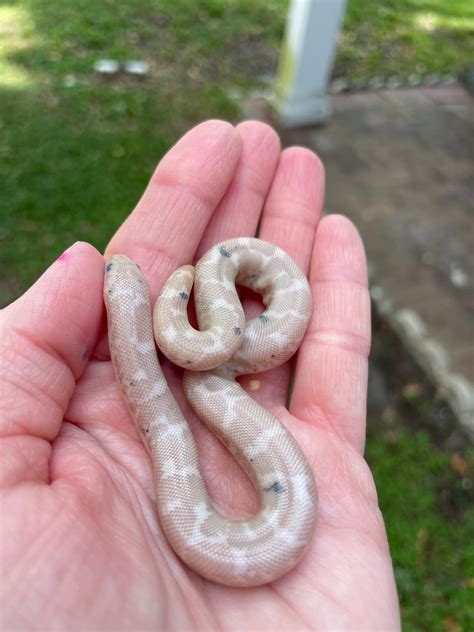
[(236, 553)]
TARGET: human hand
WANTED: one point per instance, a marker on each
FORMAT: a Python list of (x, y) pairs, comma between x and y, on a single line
[(81, 547)]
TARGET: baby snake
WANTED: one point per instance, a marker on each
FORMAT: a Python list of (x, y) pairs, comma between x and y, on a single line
[(236, 553)]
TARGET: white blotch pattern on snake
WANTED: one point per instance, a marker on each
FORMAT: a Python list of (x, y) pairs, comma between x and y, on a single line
[(266, 546)]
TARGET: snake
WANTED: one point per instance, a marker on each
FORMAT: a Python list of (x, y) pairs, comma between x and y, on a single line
[(264, 547)]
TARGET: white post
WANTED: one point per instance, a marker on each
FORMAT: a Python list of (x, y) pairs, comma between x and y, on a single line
[(306, 61)]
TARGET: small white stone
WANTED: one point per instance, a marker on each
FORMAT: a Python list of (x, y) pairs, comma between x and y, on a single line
[(106, 66), (136, 67)]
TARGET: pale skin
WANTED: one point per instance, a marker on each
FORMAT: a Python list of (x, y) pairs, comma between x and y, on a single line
[(80, 543)]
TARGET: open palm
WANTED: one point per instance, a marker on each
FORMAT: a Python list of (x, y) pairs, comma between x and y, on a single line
[(81, 546)]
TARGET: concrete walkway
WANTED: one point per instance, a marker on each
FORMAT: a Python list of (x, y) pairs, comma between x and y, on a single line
[(400, 164)]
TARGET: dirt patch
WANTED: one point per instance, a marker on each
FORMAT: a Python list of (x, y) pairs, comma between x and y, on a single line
[(400, 393)]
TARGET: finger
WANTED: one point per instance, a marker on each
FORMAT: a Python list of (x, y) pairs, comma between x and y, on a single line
[(289, 220), (167, 225), (239, 211), (331, 373), (294, 204), (46, 338)]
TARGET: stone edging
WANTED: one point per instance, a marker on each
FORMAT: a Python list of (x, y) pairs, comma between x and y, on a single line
[(342, 84), (430, 355)]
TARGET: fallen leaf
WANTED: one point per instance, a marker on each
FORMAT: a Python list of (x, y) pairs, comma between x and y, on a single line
[(459, 464)]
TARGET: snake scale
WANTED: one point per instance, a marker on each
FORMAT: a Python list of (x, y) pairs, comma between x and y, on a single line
[(235, 553)]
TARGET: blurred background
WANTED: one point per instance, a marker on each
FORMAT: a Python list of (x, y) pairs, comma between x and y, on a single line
[(81, 130)]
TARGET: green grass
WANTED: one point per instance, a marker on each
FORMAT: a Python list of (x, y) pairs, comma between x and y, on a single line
[(428, 509), (77, 150), (402, 37)]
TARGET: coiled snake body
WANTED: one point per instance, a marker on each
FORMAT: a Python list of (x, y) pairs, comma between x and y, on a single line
[(236, 553)]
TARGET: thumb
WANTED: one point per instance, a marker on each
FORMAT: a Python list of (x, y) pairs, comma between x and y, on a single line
[(45, 340)]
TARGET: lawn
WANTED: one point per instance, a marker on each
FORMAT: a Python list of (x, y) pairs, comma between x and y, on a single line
[(426, 498), (424, 471), (77, 149), (403, 37)]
